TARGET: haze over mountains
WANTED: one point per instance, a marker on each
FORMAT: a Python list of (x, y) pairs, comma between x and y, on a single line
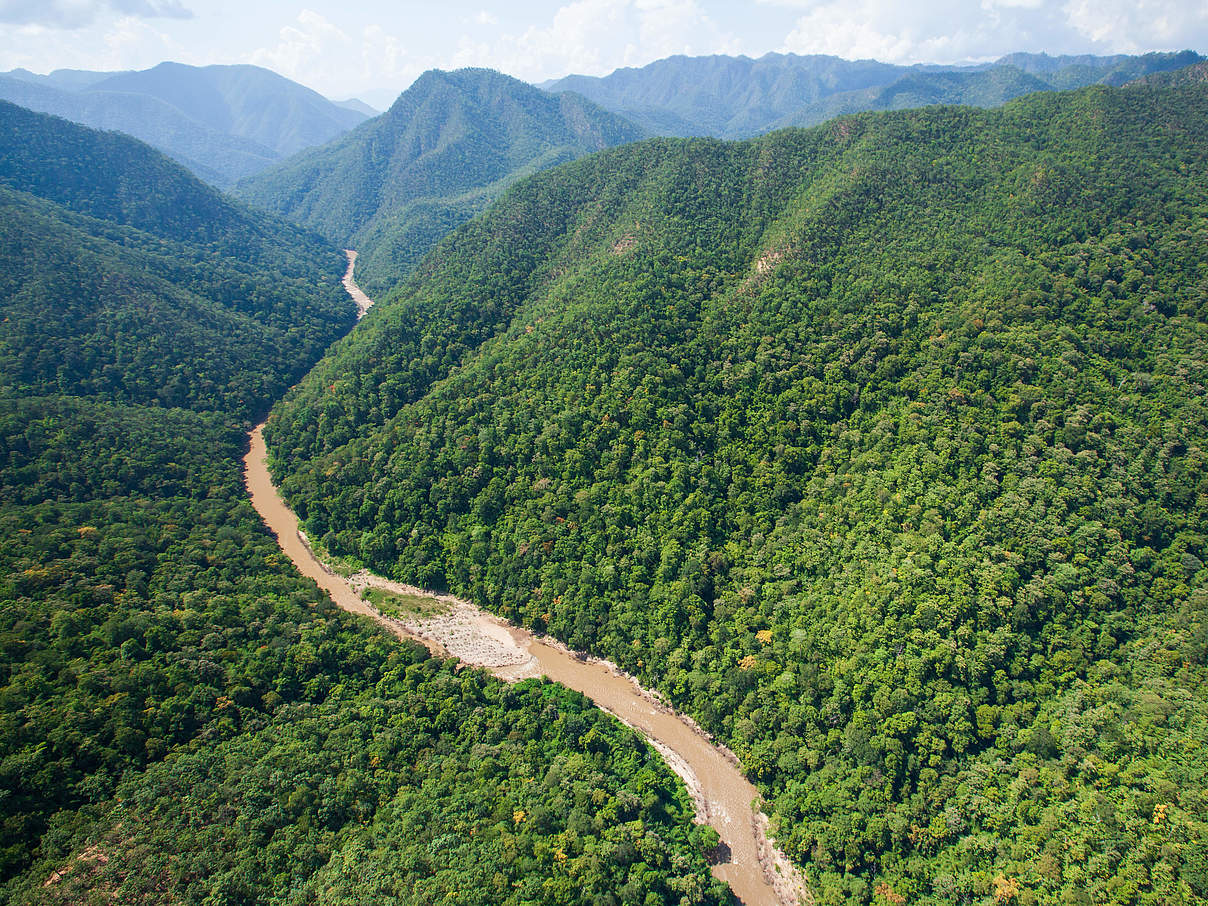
[(738, 97), (223, 122), (454, 140)]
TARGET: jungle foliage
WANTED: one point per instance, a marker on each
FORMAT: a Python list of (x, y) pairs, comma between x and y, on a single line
[(878, 447), (184, 718)]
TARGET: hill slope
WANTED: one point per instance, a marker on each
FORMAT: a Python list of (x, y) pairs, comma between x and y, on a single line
[(183, 718), (447, 147), (737, 97), (878, 447), (223, 122), (125, 276)]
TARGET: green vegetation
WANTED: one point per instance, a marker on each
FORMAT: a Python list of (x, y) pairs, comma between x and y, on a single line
[(393, 604), (449, 146), (183, 718), (429, 785), (879, 448)]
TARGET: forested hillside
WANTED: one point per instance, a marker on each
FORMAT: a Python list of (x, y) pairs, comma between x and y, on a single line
[(183, 718), (738, 97), (449, 145), (125, 277), (878, 447), (223, 122)]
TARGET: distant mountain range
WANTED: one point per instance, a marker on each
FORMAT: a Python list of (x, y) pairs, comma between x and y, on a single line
[(449, 145), (454, 141), (739, 97), (223, 122), (877, 447)]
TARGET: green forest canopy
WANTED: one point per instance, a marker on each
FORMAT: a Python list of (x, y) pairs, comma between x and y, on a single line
[(877, 447), (183, 718)]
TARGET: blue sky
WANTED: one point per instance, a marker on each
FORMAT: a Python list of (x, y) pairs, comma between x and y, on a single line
[(373, 49)]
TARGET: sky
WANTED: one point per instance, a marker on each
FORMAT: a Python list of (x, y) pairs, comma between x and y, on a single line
[(374, 49)]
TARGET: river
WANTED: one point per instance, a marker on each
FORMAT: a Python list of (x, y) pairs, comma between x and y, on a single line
[(755, 870)]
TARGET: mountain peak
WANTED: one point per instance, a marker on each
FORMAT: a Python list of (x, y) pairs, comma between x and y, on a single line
[(450, 144)]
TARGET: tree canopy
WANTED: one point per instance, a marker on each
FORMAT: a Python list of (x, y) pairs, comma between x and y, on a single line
[(877, 447)]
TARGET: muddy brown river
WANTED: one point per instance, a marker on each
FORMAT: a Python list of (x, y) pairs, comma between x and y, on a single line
[(755, 870)]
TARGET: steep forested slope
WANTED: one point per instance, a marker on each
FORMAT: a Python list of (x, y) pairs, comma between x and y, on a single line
[(879, 447), (223, 122), (125, 277), (183, 718), (449, 145), (738, 97)]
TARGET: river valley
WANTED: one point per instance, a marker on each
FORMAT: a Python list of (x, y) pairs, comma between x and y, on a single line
[(749, 861)]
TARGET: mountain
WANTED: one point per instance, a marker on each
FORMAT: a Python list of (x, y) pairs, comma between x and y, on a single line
[(721, 95), (449, 145), (877, 447), (1188, 75), (223, 122), (980, 88), (69, 79), (1086, 69), (737, 97), (359, 106), (183, 717)]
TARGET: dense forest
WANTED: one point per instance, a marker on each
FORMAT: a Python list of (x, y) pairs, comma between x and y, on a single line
[(448, 147), (878, 447), (183, 718)]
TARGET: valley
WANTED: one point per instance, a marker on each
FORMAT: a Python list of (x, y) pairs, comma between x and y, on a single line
[(816, 517), (757, 873), (186, 718)]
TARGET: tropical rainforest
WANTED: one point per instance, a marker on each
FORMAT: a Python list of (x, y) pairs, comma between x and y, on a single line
[(877, 447), (184, 718)]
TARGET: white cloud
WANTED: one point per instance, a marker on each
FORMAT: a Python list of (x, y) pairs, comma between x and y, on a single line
[(1136, 25), (310, 42), (74, 14), (945, 31), (597, 36), (315, 51)]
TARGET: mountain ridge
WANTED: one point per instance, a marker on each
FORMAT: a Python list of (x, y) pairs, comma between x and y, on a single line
[(875, 446), (739, 97), (183, 717), (446, 147), (224, 122)]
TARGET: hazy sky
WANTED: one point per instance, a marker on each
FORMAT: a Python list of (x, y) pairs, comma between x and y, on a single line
[(373, 49)]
